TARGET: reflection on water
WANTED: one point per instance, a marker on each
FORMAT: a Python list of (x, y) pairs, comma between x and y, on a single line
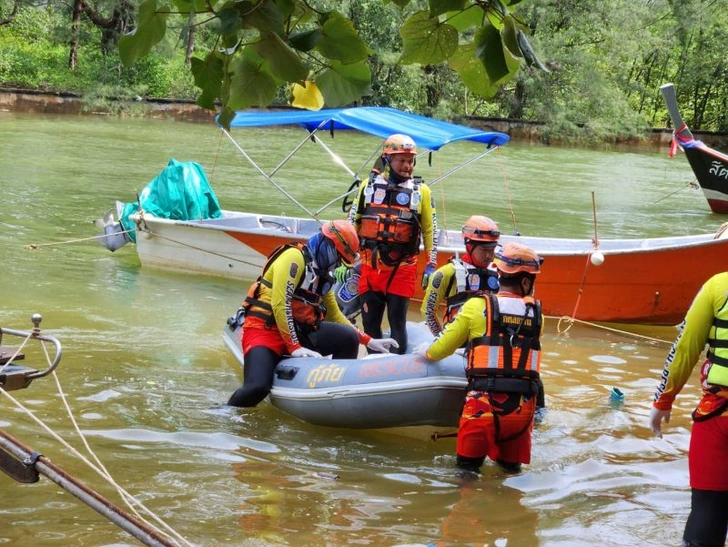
[(146, 373)]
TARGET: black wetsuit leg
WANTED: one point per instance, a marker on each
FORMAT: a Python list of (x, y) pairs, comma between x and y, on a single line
[(397, 315), (260, 362), (334, 339), (372, 312), (541, 396), (707, 524)]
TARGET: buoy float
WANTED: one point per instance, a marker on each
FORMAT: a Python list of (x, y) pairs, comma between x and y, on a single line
[(597, 258)]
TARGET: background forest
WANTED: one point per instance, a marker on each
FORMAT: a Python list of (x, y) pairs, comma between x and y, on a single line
[(605, 60)]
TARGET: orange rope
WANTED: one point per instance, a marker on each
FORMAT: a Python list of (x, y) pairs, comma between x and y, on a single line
[(570, 318), (595, 243), (214, 163), (508, 191)]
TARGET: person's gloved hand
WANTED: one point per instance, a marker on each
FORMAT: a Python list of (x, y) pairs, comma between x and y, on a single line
[(429, 270), (656, 418), (421, 350), (540, 415), (305, 352), (341, 273), (382, 345)]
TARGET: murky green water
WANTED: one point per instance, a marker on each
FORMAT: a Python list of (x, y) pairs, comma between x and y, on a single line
[(146, 373)]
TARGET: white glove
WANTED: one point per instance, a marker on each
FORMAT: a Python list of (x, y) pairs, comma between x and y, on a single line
[(305, 352), (421, 350), (656, 419), (382, 345)]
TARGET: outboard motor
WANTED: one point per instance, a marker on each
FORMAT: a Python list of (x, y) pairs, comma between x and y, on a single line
[(115, 236)]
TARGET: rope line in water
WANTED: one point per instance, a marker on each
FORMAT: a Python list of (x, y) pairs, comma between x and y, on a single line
[(572, 320), (34, 246), (100, 469)]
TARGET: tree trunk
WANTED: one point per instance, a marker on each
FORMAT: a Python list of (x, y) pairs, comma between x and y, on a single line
[(75, 29), (190, 40)]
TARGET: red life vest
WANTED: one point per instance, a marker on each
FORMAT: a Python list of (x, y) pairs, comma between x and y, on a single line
[(507, 358)]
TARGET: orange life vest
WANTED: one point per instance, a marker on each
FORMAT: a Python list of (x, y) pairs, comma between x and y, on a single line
[(390, 225), (507, 358), (307, 305)]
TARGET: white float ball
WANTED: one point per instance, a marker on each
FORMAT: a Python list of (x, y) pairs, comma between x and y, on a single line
[(597, 258)]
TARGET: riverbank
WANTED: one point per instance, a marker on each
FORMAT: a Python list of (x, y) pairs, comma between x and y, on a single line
[(43, 102)]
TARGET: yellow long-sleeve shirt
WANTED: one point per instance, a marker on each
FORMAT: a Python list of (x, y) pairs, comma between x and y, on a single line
[(695, 331), (284, 276)]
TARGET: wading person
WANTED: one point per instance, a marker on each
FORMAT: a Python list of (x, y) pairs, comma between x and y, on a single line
[(503, 333), (392, 213), (706, 322), (464, 276), (290, 310)]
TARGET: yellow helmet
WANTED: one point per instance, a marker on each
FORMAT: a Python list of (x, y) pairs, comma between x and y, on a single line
[(515, 257), (399, 144)]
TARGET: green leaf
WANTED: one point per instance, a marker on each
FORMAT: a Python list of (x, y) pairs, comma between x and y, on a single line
[(187, 6), (489, 49), (151, 27), (283, 61), (264, 16), (438, 7), (225, 116), (510, 38), (208, 75), (286, 7), (472, 17), (340, 41), (344, 84), (401, 4), (426, 40), (305, 41), (251, 84), (472, 72), (228, 20)]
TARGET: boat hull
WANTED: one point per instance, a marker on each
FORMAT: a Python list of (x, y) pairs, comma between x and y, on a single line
[(711, 170), (647, 281), (374, 392)]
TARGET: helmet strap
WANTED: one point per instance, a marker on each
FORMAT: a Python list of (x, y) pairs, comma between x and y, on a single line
[(390, 174)]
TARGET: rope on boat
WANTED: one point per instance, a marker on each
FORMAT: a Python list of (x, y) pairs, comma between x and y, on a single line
[(508, 193), (692, 184), (34, 246), (595, 244), (217, 155), (153, 535)]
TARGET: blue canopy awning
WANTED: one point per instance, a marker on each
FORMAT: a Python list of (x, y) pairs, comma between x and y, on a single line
[(427, 132)]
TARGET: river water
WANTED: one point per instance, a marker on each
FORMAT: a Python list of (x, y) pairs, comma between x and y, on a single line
[(146, 374)]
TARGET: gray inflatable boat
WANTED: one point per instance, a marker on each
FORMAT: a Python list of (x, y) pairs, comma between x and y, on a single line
[(373, 392)]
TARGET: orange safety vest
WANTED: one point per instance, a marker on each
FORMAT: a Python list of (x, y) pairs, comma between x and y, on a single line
[(306, 304), (390, 225), (471, 281), (507, 358)]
